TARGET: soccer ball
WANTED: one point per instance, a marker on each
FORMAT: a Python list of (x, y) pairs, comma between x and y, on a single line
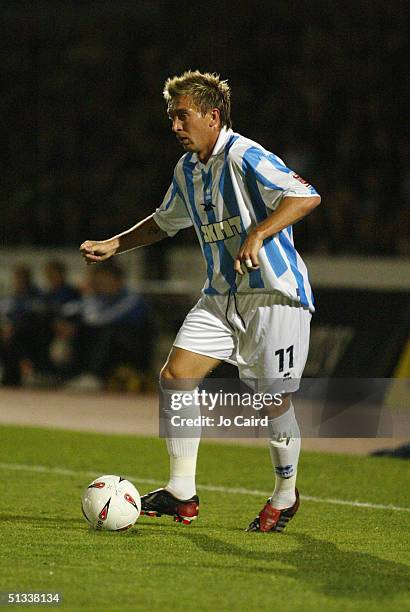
[(111, 503)]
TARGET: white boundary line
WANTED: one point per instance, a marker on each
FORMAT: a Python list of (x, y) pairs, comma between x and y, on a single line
[(235, 491)]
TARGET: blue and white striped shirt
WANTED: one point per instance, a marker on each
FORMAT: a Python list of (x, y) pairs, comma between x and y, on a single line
[(239, 186)]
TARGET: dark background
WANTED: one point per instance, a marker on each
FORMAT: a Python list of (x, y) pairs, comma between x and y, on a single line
[(87, 147)]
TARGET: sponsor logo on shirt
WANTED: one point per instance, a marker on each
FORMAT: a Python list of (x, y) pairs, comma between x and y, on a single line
[(221, 230)]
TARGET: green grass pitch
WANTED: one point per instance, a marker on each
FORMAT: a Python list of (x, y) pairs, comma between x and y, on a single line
[(330, 557)]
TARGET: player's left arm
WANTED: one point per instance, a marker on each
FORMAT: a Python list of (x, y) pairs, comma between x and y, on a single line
[(290, 210)]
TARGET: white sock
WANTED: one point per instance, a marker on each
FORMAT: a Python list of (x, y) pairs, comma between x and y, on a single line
[(182, 469), (182, 450), (284, 448)]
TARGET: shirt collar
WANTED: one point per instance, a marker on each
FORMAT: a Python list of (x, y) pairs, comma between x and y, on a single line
[(224, 136)]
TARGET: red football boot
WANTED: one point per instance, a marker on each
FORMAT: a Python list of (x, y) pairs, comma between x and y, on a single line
[(271, 519), (161, 501)]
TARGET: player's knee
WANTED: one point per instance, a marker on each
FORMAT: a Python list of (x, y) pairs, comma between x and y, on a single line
[(173, 378), (272, 411), (168, 373)]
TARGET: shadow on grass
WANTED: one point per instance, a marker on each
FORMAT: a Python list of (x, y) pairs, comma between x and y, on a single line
[(68, 522), (170, 525), (319, 563), (42, 519)]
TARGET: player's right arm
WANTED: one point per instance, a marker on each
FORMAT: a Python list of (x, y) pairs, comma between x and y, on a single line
[(143, 233)]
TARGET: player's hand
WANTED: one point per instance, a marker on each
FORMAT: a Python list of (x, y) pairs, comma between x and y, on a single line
[(248, 254), (95, 251)]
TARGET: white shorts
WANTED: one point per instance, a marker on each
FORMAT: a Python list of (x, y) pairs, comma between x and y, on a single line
[(266, 336)]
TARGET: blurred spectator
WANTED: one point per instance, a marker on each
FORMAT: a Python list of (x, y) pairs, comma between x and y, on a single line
[(25, 296), (22, 339), (108, 327), (58, 291), (64, 349), (55, 332)]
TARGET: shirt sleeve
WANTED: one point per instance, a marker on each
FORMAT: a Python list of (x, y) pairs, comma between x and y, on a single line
[(273, 180), (173, 213)]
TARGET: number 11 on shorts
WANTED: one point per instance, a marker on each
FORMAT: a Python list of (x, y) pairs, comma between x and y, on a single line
[(280, 353)]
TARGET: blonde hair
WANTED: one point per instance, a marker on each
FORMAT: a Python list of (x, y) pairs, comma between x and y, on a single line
[(206, 90)]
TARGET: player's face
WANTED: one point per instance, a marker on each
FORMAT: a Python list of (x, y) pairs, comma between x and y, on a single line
[(197, 133)]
